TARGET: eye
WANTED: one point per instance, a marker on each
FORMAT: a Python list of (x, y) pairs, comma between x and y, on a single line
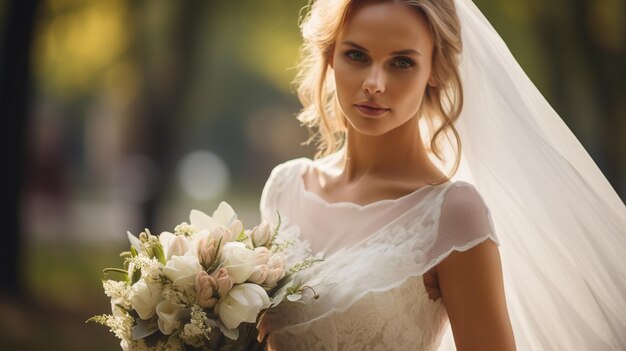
[(355, 55), (403, 63)]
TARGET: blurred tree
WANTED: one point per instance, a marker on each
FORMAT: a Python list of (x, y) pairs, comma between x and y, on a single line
[(15, 74), (166, 34), (583, 41), (574, 51)]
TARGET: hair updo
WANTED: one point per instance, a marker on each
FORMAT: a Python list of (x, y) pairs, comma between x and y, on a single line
[(315, 84)]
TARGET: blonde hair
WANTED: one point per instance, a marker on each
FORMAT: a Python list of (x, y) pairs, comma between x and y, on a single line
[(442, 103)]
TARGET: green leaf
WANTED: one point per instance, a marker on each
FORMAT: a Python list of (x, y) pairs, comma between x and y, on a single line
[(136, 275), (144, 328), (275, 230), (159, 254), (117, 270)]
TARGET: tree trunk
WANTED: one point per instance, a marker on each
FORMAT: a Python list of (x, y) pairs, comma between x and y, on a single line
[(15, 76)]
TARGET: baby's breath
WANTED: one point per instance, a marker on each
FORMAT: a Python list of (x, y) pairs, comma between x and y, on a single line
[(300, 266), (150, 268), (196, 331), (177, 297), (121, 325), (118, 291), (281, 246), (185, 229)]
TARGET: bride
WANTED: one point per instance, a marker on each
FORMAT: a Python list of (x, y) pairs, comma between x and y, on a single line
[(519, 246)]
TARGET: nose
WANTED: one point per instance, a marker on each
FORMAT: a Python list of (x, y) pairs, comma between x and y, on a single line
[(374, 83)]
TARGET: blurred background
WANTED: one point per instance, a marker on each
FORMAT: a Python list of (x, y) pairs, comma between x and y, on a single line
[(124, 115)]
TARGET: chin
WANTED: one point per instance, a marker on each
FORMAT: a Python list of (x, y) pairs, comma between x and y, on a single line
[(371, 128)]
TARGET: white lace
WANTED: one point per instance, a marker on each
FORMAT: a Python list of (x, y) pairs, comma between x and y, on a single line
[(372, 295)]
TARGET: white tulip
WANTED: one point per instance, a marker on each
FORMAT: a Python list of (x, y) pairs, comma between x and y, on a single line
[(236, 227), (222, 232), (134, 242), (242, 304), (223, 215), (182, 270), (144, 298), (238, 261), (168, 317)]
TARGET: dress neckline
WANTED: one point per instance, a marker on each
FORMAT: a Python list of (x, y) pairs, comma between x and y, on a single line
[(348, 204)]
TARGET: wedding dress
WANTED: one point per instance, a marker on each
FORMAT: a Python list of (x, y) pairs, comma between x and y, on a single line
[(372, 293), (525, 182)]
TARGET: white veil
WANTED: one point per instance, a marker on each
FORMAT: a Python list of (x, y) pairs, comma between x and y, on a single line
[(561, 225)]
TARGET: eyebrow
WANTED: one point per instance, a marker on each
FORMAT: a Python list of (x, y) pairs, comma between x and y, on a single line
[(399, 52)]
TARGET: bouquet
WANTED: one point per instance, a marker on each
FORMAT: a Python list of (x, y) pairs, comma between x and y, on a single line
[(203, 287)]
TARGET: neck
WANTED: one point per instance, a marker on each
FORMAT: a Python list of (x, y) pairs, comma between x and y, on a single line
[(392, 155)]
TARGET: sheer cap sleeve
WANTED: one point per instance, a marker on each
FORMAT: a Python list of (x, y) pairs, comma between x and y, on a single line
[(464, 221), (277, 186)]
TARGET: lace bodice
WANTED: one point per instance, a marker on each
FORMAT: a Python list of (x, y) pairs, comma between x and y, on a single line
[(372, 295), (402, 318)]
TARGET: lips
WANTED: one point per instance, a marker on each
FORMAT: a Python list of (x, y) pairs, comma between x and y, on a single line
[(371, 110)]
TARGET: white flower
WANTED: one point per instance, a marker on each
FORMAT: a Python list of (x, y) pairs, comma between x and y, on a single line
[(182, 271), (174, 245), (242, 304), (224, 216), (168, 317), (238, 261), (134, 242), (144, 297), (222, 232)]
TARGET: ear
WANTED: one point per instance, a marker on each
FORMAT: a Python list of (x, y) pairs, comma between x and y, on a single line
[(431, 81)]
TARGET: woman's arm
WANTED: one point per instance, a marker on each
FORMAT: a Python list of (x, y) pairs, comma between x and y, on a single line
[(472, 289)]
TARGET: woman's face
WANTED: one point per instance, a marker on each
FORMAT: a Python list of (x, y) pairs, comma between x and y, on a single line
[(382, 64)]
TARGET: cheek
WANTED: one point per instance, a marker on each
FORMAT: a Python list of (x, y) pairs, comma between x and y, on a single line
[(410, 96), (347, 83), (345, 76)]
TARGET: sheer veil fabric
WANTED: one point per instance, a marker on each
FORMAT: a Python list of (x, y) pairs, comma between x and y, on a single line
[(561, 225)]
